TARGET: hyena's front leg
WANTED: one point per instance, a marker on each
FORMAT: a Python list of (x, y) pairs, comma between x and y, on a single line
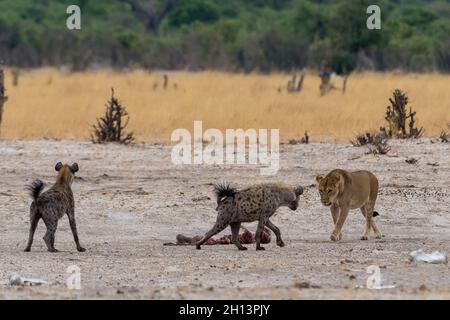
[(277, 232), (262, 222), (34, 219), (340, 222), (73, 227), (235, 226), (221, 223)]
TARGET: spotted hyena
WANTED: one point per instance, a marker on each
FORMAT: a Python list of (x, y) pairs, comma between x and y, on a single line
[(52, 205), (256, 203)]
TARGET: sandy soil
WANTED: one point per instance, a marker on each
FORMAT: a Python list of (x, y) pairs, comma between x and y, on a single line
[(130, 200)]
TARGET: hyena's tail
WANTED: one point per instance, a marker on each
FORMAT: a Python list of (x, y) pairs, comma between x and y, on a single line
[(375, 214), (224, 191), (36, 188)]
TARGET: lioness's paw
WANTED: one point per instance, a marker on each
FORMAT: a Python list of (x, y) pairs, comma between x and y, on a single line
[(379, 236), (364, 238), (334, 237)]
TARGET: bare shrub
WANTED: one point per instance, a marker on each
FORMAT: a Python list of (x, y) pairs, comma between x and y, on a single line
[(444, 136), (293, 85), (110, 128), (397, 115), (377, 142), (303, 140), (379, 145), (362, 139), (3, 97)]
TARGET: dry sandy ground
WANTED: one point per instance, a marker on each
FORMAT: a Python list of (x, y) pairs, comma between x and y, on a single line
[(130, 200)]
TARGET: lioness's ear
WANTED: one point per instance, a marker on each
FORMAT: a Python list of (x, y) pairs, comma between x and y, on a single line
[(319, 178), (58, 166)]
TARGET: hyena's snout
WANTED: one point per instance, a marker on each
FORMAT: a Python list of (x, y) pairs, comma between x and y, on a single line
[(298, 192)]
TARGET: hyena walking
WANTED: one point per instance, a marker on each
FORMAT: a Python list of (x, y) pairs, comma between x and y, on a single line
[(52, 205), (256, 203)]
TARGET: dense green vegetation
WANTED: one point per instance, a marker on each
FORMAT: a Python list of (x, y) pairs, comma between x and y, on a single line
[(244, 35)]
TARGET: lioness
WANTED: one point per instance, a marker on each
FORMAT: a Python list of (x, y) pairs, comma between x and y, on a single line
[(342, 191)]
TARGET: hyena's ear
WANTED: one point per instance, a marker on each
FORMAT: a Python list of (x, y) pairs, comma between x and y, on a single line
[(74, 167), (298, 191), (58, 166), (319, 178)]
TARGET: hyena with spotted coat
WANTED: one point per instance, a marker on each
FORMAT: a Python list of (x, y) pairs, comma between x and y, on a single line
[(256, 203), (52, 205)]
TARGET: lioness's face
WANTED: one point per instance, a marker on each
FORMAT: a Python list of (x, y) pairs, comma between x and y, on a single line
[(328, 189)]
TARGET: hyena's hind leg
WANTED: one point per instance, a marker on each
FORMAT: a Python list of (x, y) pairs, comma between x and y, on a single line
[(277, 232), (221, 223), (261, 223), (51, 222), (34, 219), (73, 227), (235, 227)]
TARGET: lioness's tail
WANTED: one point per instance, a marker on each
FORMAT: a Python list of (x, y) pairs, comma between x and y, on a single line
[(36, 188), (375, 214)]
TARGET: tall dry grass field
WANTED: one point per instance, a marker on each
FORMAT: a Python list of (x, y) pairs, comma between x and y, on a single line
[(52, 104)]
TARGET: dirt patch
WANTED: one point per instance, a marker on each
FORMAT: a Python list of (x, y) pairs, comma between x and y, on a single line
[(131, 200)]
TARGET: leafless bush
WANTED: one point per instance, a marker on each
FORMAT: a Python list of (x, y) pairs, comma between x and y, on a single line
[(444, 136), (15, 77), (363, 139), (379, 145), (3, 97), (110, 128), (396, 116), (303, 140), (293, 86), (377, 142)]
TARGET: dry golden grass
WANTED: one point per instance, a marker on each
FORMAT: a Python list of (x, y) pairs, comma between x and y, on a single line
[(51, 104)]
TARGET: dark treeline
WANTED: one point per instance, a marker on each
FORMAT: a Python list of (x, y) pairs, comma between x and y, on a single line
[(234, 35)]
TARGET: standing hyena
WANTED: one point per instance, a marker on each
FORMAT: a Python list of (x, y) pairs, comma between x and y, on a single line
[(52, 205), (256, 203)]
